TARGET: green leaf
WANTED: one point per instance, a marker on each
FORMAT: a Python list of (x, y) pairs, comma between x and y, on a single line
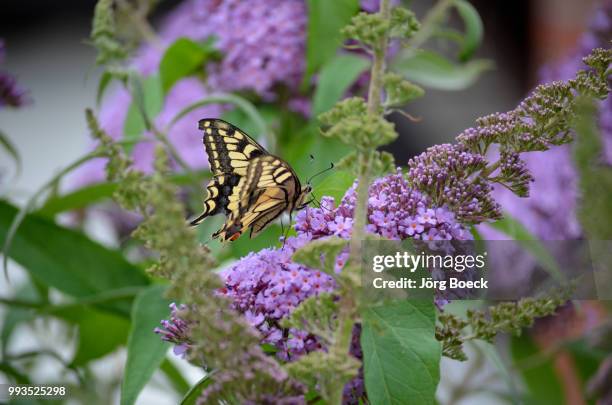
[(175, 377), (321, 253), (191, 398), (15, 315), (95, 193), (100, 332), (335, 185), (183, 58), (435, 71), (325, 20), (401, 356), (514, 229), (473, 29), (335, 78), (8, 146), (9, 371), (595, 177), (145, 349), (66, 259), (77, 199), (538, 372), (147, 102), (105, 80)]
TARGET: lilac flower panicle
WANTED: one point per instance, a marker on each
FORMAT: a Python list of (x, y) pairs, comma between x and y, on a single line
[(514, 174), (448, 175), (262, 43), (267, 286), (550, 210)]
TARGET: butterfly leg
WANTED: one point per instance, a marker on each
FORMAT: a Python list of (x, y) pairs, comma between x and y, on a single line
[(286, 234)]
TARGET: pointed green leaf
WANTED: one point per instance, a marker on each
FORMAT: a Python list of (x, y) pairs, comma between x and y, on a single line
[(325, 20), (401, 355), (335, 78), (191, 398), (433, 70), (473, 29), (145, 349), (183, 58), (100, 332), (147, 102), (8, 146), (66, 259)]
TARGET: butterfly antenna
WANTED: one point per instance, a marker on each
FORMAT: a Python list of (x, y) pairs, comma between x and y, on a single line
[(331, 166), (314, 197), (286, 234)]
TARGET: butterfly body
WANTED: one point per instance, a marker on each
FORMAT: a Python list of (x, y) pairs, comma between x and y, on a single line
[(250, 186)]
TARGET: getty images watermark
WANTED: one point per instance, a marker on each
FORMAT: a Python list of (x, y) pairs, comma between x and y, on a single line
[(492, 270), (427, 262)]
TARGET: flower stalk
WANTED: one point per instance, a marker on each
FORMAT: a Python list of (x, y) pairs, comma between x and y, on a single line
[(350, 284)]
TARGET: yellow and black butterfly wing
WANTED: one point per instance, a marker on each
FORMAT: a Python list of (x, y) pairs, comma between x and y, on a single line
[(265, 192), (228, 148), (219, 189), (229, 151)]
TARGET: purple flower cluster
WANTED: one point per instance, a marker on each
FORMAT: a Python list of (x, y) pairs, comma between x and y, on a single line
[(267, 286), (395, 211), (262, 44), (446, 173), (550, 210), (176, 330), (262, 41), (11, 94)]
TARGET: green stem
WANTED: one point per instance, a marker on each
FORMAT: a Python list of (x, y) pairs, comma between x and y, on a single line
[(428, 26), (141, 24), (487, 171), (350, 283)]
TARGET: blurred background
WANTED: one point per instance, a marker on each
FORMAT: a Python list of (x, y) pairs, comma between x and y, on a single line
[(47, 50)]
